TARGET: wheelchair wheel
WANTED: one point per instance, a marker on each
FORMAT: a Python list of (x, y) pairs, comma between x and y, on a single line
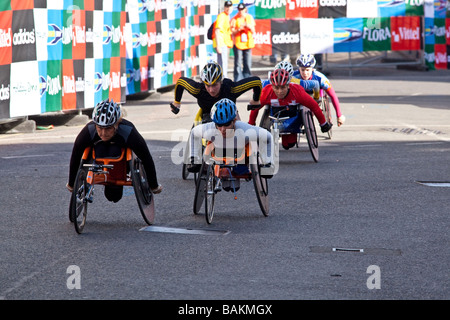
[(311, 134), (78, 201), (210, 194), (142, 191), (184, 172), (200, 187), (261, 188), (325, 106), (265, 120)]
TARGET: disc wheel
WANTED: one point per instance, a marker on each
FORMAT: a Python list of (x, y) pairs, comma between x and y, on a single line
[(311, 134), (142, 191), (78, 201)]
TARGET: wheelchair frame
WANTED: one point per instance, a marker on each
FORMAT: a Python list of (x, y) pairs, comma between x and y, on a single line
[(125, 170)]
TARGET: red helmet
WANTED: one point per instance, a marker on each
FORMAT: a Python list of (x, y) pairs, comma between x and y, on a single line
[(280, 77)]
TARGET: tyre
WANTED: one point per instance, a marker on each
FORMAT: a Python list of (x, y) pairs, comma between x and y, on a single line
[(210, 194), (79, 204), (142, 191), (261, 188), (200, 186), (311, 134), (184, 172)]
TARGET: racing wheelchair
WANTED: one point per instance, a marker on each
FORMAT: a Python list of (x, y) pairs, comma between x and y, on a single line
[(124, 168), (219, 172), (281, 120)]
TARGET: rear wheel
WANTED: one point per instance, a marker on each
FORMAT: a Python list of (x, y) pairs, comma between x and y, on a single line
[(200, 187), (78, 207), (142, 191), (261, 188), (209, 194), (311, 134)]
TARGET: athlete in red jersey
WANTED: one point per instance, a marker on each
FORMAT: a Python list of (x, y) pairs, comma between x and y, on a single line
[(284, 93)]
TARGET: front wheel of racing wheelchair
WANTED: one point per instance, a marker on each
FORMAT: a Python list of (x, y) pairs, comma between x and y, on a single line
[(125, 170)]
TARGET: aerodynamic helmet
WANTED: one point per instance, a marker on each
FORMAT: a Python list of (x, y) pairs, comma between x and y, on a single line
[(223, 111), (106, 113), (280, 77), (211, 73), (286, 66), (306, 61)]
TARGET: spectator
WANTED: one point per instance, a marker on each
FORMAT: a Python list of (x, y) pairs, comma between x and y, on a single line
[(242, 28), (222, 36)]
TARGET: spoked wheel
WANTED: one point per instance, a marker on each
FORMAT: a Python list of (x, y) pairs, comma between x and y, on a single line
[(78, 201), (142, 191), (210, 194), (311, 134), (325, 106), (261, 188), (200, 187)]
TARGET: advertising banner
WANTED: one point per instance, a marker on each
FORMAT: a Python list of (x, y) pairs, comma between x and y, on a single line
[(65, 55)]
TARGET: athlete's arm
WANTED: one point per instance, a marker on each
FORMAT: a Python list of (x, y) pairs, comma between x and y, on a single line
[(263, 101), (183, 83), (306, 100), (246, 84), (137, 143), (82, 141), (334, 100)]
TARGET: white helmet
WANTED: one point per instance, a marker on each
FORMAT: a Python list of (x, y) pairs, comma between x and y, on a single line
[(306, 61), (286, 66), (106, 113)]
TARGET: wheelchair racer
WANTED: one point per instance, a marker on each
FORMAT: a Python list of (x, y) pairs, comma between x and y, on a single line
[(213, 88), (310, 86), (225, 131), (283, 93), (306, 71), (109, 133)]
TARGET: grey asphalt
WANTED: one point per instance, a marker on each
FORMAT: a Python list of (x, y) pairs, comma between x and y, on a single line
[(330, 222)]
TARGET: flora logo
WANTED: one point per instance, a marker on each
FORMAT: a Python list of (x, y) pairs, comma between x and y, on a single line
[(376, 35), (54, 34)]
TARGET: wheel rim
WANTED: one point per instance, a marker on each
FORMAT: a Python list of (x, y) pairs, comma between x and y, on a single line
[(143, 192), (261, 189), (311, 134), (79, 202), (209, 195)]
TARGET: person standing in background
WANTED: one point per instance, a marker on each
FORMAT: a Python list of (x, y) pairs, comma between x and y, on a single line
[(222, 41), (242, 28)]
